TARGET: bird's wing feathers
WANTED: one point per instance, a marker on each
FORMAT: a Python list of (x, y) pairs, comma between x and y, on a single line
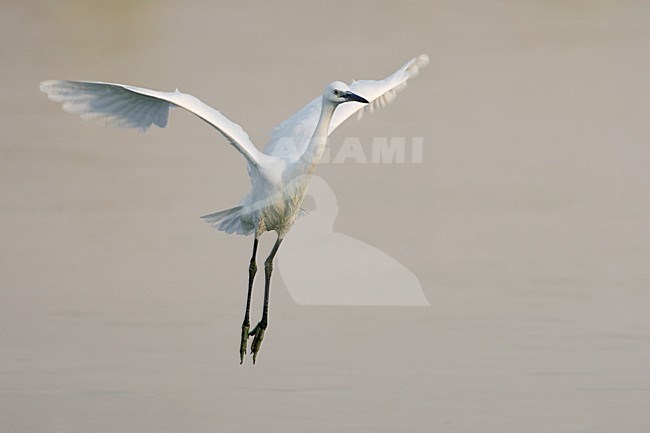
[(135, 107), (290, 138), (378, 93), (125, 106)]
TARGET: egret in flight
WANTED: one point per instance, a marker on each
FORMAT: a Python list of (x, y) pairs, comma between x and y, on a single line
[(279, 175)]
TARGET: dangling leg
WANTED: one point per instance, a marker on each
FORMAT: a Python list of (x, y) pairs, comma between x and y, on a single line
[(252, 269), (258, 331)]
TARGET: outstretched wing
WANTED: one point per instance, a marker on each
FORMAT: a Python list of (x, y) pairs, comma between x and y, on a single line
[(290, 138), (125, 106)]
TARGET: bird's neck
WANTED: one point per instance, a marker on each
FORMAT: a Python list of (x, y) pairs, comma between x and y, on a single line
[(316, 147)]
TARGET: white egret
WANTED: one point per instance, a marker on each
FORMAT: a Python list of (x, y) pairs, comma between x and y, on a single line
[(279, 175)]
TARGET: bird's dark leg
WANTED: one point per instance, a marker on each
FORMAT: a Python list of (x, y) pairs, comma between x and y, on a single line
[(258, 331), (252, 269)]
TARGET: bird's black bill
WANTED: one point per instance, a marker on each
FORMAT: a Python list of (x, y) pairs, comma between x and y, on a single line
[(354, 97)]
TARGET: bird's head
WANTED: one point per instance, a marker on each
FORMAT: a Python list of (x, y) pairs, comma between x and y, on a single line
[(339, 92)]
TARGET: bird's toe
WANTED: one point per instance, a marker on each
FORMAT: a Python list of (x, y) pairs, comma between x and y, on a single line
[(258, 335), (244, 341)]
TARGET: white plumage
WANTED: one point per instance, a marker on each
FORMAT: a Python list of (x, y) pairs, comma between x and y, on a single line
[(279, 175)]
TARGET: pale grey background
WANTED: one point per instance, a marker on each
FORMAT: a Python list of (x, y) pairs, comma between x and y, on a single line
[(527, 223)]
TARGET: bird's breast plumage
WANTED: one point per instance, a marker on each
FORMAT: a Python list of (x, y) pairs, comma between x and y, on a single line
[(275, 200)]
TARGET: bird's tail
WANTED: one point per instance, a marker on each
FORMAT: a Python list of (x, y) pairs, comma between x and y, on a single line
[(229, 221)]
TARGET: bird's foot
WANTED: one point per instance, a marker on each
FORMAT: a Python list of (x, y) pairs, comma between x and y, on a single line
[(258, 335), (244, 340)]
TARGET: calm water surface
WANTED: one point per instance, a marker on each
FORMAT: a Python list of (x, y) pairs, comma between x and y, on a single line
[(526, 223)]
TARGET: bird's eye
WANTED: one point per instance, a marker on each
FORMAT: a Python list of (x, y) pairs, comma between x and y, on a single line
[(337, 92)]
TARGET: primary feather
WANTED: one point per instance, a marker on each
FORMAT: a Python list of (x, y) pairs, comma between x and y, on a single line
[(126, 106), (290, 137)]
